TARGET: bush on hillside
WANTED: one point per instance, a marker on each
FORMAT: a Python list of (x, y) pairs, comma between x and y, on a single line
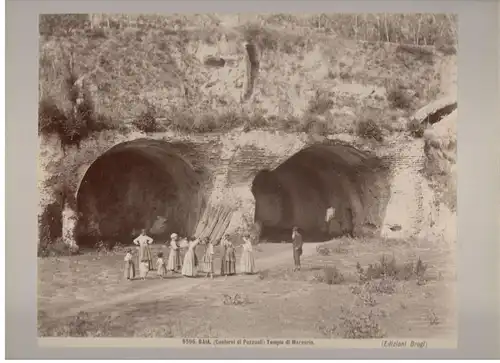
[(146, 121), (416, 128), (398, 98), (369, 129)]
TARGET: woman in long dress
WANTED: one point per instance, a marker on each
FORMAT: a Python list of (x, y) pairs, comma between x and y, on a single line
[(174, 258), (189, 267), (228, 263), (208, 259), (247, 262), (145, 256)]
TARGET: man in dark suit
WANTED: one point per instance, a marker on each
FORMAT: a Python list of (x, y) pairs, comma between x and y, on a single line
[(297, 247)]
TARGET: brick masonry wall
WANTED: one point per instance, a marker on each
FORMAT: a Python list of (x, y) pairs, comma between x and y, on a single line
[(227, 165)]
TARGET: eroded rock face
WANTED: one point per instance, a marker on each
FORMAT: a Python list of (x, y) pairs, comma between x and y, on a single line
[(269, 179)]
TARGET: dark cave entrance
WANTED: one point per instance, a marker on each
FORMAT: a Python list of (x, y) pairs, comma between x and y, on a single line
[(321, 179), (135, 185)]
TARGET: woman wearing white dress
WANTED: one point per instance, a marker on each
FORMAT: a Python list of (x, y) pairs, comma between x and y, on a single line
[(247, 262), (228, 260), (174, 258), (189, 267), (145, 257)]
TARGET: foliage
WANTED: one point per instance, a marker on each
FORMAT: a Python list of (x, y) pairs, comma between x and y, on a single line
[(56, 248), (146, 121), (235, 299), (369, 129), (389, 268), (50, 224), (360, 325), (111, 57), (332, 276), (61, 24), (416, 128), (81, 325)]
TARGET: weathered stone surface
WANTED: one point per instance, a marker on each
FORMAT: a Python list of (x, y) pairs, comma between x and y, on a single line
[(393, 200)]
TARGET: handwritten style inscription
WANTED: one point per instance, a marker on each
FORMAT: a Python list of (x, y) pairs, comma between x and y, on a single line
[(404, 344)]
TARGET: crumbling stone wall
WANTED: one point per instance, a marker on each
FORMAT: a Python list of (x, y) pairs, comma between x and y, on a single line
[(390, 201)]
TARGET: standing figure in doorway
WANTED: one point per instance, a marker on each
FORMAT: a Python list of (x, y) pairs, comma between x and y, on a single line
[(145, 256), (297, 248), (247, 258), (228, 260), (189, 267), (329, 220), (174, 258)]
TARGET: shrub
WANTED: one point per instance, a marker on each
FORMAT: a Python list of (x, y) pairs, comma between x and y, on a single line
[(146, 121), (388, 268), (433, 318), (74, 124), (50, 117), (320, 104), (369, 129), (416, 128), (360, 325), (323, 251), (398, 98), (384, 286), (332, 276), (56, 249), (235, 299), (81, 325), (50, 224)]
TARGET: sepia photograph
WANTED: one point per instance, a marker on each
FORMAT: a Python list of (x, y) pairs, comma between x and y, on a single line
[(248, 179)]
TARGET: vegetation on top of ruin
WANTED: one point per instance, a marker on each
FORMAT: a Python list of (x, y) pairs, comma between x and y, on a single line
[(323, 74)]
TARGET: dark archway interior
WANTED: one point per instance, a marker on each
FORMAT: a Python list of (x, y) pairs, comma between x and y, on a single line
[(301, 190), (135, 185)]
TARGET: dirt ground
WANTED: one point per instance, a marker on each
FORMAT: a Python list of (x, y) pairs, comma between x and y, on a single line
[(86, 295)]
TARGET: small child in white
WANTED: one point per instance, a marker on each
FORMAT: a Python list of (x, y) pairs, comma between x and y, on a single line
[(143, 269), (161, 267), (129, 266)]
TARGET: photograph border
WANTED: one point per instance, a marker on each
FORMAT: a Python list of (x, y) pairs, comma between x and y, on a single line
[(478, 179)]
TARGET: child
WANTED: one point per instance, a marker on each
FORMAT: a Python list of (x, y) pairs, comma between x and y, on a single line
[(208, 258), (160, 266), (144, 268), (129, 266)]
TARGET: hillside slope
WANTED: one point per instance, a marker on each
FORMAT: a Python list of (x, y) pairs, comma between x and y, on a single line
[(195, 76)]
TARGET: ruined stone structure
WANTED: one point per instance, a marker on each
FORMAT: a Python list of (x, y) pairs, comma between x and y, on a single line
[(273, 180), (268, 180)]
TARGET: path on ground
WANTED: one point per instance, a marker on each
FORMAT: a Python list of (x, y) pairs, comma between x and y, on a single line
[(176, 286)]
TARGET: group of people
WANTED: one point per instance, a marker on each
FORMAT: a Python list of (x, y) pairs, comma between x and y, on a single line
[(188, 266)]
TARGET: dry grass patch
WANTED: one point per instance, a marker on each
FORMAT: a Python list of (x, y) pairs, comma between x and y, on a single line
[(276, 302)]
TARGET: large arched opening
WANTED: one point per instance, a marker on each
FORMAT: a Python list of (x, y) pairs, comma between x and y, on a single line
[(351, 186), (134, 185)]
